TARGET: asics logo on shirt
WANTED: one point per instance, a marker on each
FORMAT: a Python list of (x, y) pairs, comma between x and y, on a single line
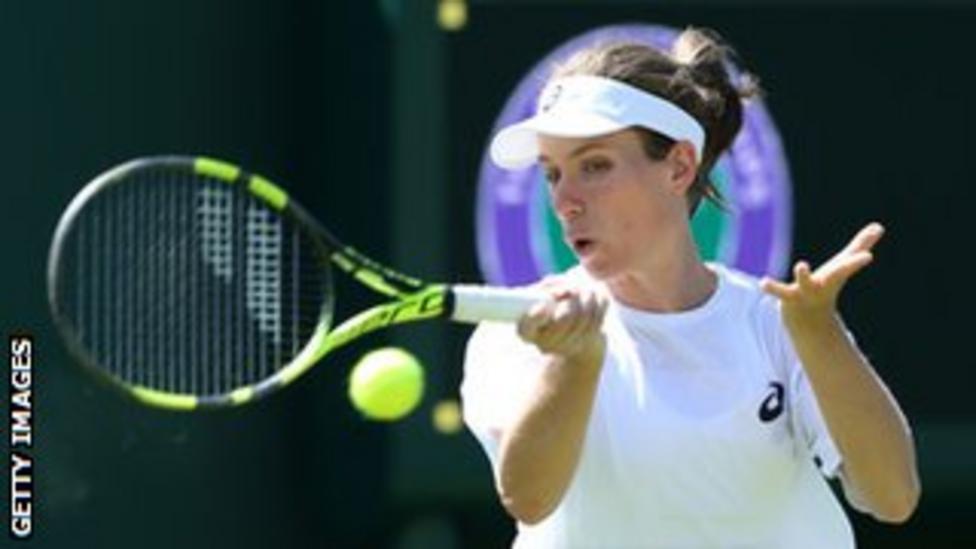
[(772, 406)]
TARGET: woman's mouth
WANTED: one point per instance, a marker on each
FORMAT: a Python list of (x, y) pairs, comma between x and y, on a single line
[(582, 246)]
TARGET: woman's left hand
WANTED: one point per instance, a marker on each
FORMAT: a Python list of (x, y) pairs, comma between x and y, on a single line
[(814, 294)]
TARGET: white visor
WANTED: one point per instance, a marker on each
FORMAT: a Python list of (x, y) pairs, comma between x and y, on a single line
[(590, 106)]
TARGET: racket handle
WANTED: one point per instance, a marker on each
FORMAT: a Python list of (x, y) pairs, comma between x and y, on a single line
[(473, 303)]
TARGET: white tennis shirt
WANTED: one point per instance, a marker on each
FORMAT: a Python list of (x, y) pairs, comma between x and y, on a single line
[(703, 432)]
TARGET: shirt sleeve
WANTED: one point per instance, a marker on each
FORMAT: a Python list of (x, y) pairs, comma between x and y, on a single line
[(806, 419), (500, 371)]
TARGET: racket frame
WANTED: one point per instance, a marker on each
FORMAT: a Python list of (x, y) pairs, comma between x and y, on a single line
[(411, 299)]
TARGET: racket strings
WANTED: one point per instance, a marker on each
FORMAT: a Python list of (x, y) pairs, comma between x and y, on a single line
[(190, 285)]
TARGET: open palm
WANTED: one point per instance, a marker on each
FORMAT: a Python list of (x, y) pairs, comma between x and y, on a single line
[(815, 292)]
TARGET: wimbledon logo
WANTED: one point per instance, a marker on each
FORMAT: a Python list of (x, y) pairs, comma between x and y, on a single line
[(519, 237)]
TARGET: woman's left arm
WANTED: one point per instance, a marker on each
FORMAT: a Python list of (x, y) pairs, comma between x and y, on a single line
[(864, 420)]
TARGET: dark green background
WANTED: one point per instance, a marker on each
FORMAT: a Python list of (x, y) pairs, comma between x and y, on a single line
[(376, 121)]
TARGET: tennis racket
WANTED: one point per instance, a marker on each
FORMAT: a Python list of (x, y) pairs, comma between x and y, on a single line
[(192, 284)]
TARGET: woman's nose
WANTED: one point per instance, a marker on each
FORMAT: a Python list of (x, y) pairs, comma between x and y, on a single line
[(566, 202)]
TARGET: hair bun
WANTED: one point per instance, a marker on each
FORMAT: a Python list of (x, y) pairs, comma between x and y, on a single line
[(712, 64)]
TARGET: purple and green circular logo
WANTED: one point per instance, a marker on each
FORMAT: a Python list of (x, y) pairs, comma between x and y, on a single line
[(520, 239)]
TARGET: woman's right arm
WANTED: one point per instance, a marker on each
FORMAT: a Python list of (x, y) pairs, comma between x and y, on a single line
[(540, 448)]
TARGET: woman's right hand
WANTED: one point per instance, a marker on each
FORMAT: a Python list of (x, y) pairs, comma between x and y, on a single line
[(568, 324)]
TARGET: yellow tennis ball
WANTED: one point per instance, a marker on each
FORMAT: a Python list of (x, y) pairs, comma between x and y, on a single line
[(386, 384)]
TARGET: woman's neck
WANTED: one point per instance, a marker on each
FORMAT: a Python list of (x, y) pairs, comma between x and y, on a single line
[(668, 280)]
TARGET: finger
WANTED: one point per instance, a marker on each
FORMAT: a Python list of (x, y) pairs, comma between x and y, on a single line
[(539, 313), (572, 327), (525, 329), (595, 309), (600, 303), (801, 272), (590, 320), (566, 308), (528, 328), (559, 286), (852, 264), (777, 288), (580, 322), (564, 292), (866, 238), (535, 319), (863, 241), (586, 303)]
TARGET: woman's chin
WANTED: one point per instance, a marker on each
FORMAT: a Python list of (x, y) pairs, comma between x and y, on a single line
[(597, 268)]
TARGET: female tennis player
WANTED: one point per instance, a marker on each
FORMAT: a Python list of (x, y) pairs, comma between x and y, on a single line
[(656, 400)]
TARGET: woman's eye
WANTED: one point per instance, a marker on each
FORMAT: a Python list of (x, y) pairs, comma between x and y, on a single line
[(552, 176), (596, 165)]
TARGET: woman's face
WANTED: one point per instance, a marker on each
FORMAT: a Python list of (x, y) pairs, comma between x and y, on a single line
[(617, 207)]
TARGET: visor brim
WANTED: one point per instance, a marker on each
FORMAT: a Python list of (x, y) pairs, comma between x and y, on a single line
[(517, 146)]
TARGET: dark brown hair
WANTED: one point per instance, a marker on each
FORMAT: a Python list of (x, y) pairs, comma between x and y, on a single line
[(695, 75)]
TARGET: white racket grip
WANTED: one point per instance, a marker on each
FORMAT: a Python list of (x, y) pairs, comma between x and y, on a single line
[(473, 303)]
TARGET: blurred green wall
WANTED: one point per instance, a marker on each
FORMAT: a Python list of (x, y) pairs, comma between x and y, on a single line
[(294, 90)]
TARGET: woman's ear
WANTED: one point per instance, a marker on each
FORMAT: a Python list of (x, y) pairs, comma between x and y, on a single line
[(684, 166)]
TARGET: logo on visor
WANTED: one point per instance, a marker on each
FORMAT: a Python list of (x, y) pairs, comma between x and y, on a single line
[(552, 95), (520, 239)]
